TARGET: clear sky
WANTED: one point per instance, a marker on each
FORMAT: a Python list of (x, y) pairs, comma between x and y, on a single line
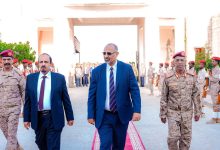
[(94, 38)]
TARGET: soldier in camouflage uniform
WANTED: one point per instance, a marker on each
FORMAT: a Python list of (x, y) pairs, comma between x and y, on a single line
[(192, 67), (150, 75), (161, 74), (214, 88), (201, 83), (12, 85), (179, 96)]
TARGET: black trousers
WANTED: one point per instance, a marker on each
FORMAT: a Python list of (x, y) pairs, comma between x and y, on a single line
[(47, 138)]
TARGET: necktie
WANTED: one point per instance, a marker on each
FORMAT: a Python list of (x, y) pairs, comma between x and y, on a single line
[(112, 91), (41, 98)]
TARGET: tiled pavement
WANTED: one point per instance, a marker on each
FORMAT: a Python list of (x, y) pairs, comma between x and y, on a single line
[(152, 131)]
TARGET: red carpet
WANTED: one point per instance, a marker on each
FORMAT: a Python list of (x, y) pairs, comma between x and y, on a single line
[(133, 140)]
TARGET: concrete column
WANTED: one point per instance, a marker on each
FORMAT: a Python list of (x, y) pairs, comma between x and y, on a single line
[(179, 34), (141, 44), (152, 41), (63, 46)]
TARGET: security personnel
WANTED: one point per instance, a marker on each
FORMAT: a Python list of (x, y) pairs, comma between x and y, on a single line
[(150, 75), (192, 67), (180, 96), (202, 74), (25, 69), (214, 89), (15, 63), (161, 76), (12, 85), (166, 67)]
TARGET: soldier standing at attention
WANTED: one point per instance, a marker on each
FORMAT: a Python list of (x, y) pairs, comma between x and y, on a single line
[(16, 63), (166, 67), (150, 75), (179, 96), (12, 85), (202, 74), (214, 88), (192, 67), (161, 76)]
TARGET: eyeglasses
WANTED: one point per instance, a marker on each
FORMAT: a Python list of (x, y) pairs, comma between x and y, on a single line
[(108, 53)]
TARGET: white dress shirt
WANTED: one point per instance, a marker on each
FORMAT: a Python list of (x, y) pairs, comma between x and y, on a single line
[(47, 90), (107, 101)]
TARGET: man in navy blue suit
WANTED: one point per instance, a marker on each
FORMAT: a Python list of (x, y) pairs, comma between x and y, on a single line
[(114, 99), (46, 98)]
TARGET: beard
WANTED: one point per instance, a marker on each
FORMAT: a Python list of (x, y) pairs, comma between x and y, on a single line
[(107, 60)]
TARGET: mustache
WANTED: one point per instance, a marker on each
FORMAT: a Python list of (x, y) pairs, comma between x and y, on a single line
[(43, 66), (7, 64)]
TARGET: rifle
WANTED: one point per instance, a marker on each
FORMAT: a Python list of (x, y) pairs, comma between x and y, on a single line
[(205, 88)]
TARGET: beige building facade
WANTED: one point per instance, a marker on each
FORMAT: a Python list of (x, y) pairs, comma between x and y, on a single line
[(214, 35)]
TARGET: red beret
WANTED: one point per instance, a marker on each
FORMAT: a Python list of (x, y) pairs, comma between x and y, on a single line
[(191, 62), (216, 58), (15, 60), (161, 64), (7, 53), (29, 62), (202, 61), (24, 61), (181, 54), (36, 63)]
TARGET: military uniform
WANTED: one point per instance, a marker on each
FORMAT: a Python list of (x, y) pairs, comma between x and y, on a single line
[(150, 75), (214, 88), (192, 71), (179, 96), (202, 74), (162, 76), (12, 87)]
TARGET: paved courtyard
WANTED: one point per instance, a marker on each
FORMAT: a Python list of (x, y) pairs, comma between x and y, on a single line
[(151, 130)]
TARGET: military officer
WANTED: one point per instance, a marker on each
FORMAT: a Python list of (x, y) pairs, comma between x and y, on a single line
[(12, 85), (180, 96), (150, 75), (202, 74), (192, 67), (25, 70), (161, 76), (166, 67), (214, 88), (15, 63)]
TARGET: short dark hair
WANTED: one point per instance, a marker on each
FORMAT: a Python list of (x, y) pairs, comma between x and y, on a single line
[(47, 55)]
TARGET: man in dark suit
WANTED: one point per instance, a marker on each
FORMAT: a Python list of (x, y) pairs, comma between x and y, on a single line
[(46, 96), (114, 99)]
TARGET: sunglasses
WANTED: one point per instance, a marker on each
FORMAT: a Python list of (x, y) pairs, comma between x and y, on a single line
[(108, 53)]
